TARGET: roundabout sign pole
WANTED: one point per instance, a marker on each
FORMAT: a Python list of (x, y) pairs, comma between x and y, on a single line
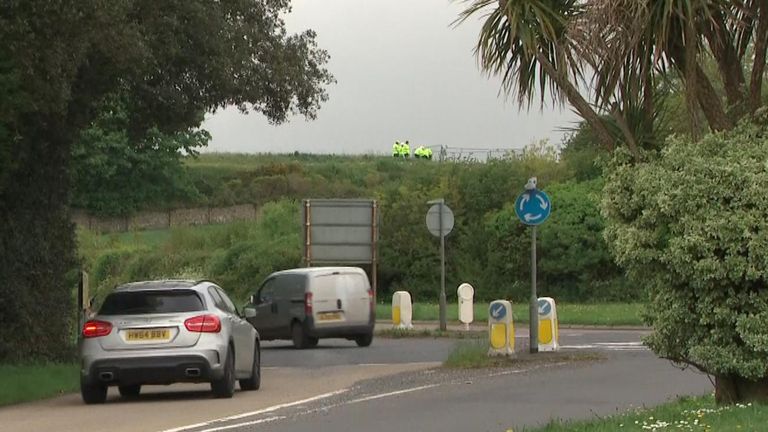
[(440, 223), (533, 207)]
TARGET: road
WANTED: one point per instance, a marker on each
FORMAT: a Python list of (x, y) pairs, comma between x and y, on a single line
[(394, 384)]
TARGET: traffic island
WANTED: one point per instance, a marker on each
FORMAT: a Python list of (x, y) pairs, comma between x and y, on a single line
[(474, 355)]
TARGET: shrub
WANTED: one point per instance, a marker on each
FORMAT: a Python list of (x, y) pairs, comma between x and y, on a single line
[(691, 225)]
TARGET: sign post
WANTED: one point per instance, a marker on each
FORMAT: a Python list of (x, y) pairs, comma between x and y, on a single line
[(533, 207), (341, 231), (440, 223)]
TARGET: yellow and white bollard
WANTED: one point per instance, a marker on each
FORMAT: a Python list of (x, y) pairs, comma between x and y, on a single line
[(402, 310), (466, 294), (549, 336), (501, 329)]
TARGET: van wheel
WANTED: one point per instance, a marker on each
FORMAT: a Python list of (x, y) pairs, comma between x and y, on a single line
[(300, 338), (225, 386), (92, 393), (130, 391), (254, 382), (364, 340)]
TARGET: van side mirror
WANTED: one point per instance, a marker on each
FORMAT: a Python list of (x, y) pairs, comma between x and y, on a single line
[(249, 312)]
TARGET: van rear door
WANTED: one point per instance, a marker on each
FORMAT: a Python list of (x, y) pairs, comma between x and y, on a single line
[(328, 300), (358, 301)]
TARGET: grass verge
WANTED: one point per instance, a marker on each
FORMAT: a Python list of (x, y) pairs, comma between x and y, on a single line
[(685, 414), (23, 383), (433, 333), (474, 355), (600, 314)]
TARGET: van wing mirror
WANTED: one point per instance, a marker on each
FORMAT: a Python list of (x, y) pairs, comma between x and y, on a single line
[(249, 312)]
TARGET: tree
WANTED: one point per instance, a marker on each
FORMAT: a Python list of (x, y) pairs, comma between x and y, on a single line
[(574, 260), (691, 224), (112, 175), (527, 42), (624, 54), (616, 54), (171, 60)]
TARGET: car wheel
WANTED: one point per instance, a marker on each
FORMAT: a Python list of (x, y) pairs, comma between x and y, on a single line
[(364, 340), (254, 382), (92, 393), (299, 336), (130, 391), (224, 387), (312, 342)]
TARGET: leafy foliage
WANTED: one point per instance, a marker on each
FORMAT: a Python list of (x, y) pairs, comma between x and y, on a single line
[(574, 263), (690, 225), (112, 175), (488, 246), (170, 61), (238, 256)]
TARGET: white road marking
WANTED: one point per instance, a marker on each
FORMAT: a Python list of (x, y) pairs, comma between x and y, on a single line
[(610, 346), (518, 371), (257, 412), (383, 395), (619, 343), (400, 364), (316, 398), (250, 423)]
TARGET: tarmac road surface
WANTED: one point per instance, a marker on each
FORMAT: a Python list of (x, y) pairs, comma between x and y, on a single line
[(394, 384)]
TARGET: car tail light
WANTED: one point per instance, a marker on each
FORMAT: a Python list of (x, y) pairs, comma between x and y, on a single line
[(203, 324), (95, 328), (308, 304)]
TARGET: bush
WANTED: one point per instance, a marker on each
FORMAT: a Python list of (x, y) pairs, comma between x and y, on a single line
[(574, 263), (691, 225)]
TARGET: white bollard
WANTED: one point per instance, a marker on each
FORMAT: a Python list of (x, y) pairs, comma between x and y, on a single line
[(466, 295), (402, 310), (549, 335), (501, 329)]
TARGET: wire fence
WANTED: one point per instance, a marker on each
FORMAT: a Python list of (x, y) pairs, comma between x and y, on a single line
[(471, 154)]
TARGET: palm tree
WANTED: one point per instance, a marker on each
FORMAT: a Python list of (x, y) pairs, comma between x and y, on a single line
[(526, 42), (627, 47), (680, 35)]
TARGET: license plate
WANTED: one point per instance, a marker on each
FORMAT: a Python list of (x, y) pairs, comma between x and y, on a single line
[(140, 335), (329, 316)]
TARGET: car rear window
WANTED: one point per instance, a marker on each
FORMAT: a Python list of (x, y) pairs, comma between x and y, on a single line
[(149, 302)]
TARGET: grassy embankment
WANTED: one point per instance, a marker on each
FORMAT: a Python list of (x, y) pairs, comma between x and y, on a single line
[(23, 383), (207, 251)]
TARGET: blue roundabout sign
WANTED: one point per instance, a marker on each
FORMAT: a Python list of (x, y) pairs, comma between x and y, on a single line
[(533, 207)]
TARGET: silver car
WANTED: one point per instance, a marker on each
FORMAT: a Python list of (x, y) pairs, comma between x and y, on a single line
[(162, 332)]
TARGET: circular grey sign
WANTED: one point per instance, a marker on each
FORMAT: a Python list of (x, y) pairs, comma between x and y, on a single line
[(433, 220)]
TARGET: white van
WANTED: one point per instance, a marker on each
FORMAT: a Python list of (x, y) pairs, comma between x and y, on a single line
[(307, 304)]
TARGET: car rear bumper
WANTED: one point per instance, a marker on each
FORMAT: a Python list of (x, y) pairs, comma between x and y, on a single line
[(153, 370)]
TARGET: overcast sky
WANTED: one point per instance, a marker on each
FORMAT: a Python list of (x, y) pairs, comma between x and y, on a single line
[(403, 72)]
